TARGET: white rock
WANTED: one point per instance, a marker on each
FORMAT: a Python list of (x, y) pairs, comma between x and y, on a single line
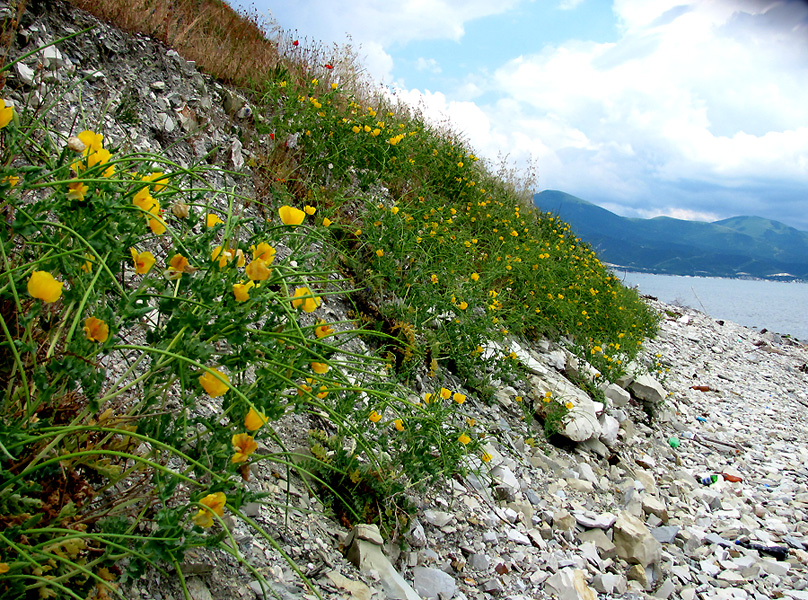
[(648, 389), (634, 542), (570, 584)]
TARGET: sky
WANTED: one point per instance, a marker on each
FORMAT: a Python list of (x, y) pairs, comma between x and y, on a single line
[(694, 109)]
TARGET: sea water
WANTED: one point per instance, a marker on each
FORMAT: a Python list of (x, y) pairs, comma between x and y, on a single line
[(778, 306)]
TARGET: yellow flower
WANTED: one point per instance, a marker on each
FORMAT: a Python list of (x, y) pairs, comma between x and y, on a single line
[(358, 232), (96, 330), (157, 187), (91, 140), (157, 226), (6, 114), (398, 424), (143, 261), (320, 368), (4, 568), (144, 201), (379, 252), (177, 266), (459, 398), (263, 251), (77, 190), (470, 422), (486, 457), (88, 264), (322, 329), (374, 417), (213, 504), (225, 255), (291, 215), (242, 291), (434, 278), (254, 420), (569, 405), (394, 210), (464, 439), (212, 384), (309, 304), (326, 222), (42, 285), (257, 270), (464, 305), (427, 398), (11, 180), (445, 394), (356, 129), (212, 220), (334, 86), (309, 210), (244, 445)]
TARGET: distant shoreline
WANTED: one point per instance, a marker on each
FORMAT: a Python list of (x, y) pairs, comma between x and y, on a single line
[(780, 278)]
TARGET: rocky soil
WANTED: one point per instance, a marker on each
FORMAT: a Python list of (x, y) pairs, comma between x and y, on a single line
[(708, 498)]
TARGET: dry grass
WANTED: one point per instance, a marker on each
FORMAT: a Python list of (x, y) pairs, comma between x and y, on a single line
[(230, 46)]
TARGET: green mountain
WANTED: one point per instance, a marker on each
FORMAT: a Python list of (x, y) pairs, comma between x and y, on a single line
[(734, 247)]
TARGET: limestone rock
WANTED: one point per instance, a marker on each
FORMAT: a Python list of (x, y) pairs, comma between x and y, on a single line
[(433, 583), (648, 389), (634, 542), (570, 584)]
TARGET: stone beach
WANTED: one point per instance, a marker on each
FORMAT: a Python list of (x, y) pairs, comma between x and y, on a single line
[(689, 481)]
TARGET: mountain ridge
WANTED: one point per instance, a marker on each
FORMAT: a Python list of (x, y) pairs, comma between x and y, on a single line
[(742, 246)]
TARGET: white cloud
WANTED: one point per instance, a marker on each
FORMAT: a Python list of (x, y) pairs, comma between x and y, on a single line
[(427, 64)]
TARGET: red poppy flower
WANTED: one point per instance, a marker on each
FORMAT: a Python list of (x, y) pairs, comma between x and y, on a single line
[(329, 66), (295, 43), (272, 136)]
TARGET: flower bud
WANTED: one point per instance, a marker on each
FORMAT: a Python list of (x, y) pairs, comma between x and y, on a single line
[(75, 144), (179, 209)]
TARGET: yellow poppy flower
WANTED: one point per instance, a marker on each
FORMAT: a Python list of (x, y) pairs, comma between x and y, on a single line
[(309, 210), (42, 285), (254, 420), (11, 180), (157, 226), (213, 385), (224, 256), (320, 368), (213, 504), (486, 457), (4, 568), (326, 222), (427, 398), (77, 190), (96, 330), (242, 291), (322, 329), (6, 114), (257, 270), (160, 185), (459, 398), (398, 424), (91, 140), (445, 394), (263, 251), (375, 417), (463, 305), (88, 263), (212, 220), (243, 445), (309, 304), (379, 252), (569, 405), (144, 261), (177, 266), (464, 439), (291, 215), (474, 276)]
